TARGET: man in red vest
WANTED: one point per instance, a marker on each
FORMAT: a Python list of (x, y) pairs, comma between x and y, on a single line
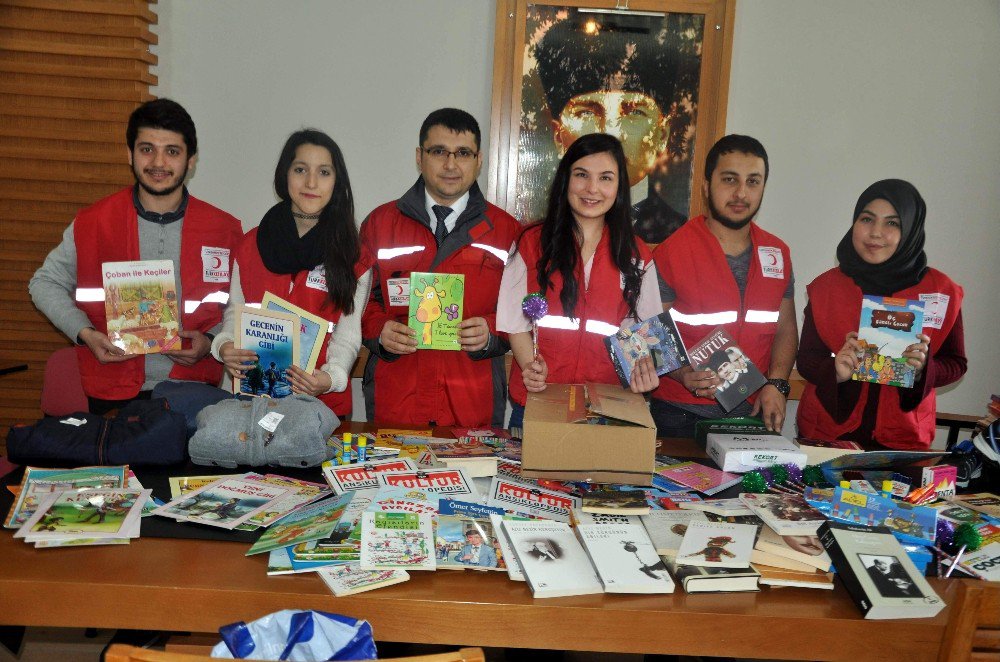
[(722, 269), (156, 219), (442, 224)]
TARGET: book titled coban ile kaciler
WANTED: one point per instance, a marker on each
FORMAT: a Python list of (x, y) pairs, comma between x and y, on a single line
[(140, 301)]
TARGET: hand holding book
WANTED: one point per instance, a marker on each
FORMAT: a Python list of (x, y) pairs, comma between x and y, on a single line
[(916, 354)]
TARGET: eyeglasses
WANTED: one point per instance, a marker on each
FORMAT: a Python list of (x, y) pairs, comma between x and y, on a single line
[(441, 154)]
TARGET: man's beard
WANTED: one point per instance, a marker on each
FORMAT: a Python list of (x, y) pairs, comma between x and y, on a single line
[(160, 192), (728, 222)]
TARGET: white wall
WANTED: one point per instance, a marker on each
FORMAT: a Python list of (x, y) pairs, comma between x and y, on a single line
[(841, 94)]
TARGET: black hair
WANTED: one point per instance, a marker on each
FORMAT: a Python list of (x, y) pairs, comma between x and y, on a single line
[(336, 221), (734, 143), (453, 119), (618, 56), (163, 114), (559, 227)]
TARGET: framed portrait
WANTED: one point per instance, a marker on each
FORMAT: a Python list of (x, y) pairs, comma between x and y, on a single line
[(653, 73)]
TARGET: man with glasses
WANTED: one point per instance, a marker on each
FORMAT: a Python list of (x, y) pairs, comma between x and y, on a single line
[(442, 224)]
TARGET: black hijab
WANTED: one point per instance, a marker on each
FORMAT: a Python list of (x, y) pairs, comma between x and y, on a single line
[(281, 248), (907, 266)]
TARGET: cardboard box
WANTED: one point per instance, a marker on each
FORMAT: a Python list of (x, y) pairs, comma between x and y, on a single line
[(565, 440), (745, 451)]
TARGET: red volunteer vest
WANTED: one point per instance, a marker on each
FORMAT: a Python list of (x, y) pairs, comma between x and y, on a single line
[(108, 232), (303, 291), (835, 301), (691, 261), (574, 347), (446, 387)]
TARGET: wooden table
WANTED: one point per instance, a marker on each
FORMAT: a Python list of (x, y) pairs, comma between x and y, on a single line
[(200, 585)]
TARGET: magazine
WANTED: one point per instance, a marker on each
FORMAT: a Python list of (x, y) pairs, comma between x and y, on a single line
[(740, 377), (140, 300), (436, 309), (75, 514), (274, 337), (226, 503), (888, 326), (312, 329), (656, 338), (38, 483)]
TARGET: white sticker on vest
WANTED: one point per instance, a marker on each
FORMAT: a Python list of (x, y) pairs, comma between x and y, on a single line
[(399, 291), (215, 264), (772, 262), (935, 309), (317, 278)]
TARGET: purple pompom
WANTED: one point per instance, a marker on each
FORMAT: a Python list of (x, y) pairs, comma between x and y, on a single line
[(535, 306), (765, 473), (794, 472), (945, 533)]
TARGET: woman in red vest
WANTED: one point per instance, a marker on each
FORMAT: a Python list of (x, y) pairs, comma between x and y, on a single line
[(882, 254), (584, 258), (306, 251)]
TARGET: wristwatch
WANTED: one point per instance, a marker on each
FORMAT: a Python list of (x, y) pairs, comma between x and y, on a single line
[(782, 385)]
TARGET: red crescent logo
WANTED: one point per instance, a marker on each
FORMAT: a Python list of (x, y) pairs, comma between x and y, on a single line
[(400, 293), (217, 262), (774, 259)]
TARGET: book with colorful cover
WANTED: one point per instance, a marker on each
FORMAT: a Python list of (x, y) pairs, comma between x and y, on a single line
[(406, 500), (140, 300), (312, 329), (615, 502), (465, 537), (348, 477), (397, 540), (717, 544), (909, 523), (700, 477), (719, 353), (37, 483), (436, 308), (183, 484), (656, 338), (527, 499), (274, 337), (983, 502), (888, 326), (311, 522), (625, 559), (302, 492), (350, 578), (453, 483), (78, 514), (226, 503), (786, 514)]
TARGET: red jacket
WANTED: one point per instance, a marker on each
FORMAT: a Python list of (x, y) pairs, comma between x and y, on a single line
[(107, 231), (434, 386), (691, 261), (835, 301), (574, 348), (301, 290)]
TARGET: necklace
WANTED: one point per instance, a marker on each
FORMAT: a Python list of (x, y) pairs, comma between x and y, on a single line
[(306, 217)]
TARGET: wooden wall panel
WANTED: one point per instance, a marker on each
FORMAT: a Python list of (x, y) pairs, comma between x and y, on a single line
[(71, 71)]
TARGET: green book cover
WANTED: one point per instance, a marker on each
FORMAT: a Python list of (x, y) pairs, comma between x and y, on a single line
[(436, 309)]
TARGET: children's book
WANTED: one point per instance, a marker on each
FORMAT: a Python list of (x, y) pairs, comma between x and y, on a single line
[(656, 338), (436, 309), (465, 537), (453, 483), (717, 545), (397, 540), (183, 484), (38, 483), (615, 502), (786, 514), (312, 329), (740, 377), (983, 502), (406, 500), (302, 492), (888, 326), (226, 503), (527, 499), (350, 579), (311, 522), (666, 528), (625, 559), (349, 477), (552, 559), (705, 479), (910, 523), (274, 337), (76, 514), (140, 300), (877, 572)]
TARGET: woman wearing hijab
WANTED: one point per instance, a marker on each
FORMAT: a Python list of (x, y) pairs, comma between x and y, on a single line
[(306, 251), (882, 254)]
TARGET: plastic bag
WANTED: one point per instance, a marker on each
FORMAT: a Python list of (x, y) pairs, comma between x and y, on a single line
[(298, 636)]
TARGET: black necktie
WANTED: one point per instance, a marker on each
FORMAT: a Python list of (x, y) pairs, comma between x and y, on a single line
[(440, 230)]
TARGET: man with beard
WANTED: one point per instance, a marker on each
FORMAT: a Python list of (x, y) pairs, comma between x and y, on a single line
[(156, 219), (722, 269)]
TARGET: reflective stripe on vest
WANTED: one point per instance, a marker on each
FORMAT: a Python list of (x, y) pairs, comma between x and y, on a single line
[(389, 253), (213, 297)]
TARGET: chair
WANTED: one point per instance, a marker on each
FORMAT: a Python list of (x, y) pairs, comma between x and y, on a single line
[(973, 630), (62, 386), (124, 653)]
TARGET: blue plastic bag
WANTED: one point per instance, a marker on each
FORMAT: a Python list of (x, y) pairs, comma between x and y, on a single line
[(298, 636)]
